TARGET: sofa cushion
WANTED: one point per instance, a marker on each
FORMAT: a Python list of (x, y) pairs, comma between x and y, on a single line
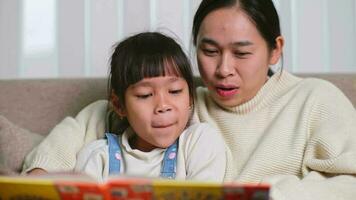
[(15, 143)]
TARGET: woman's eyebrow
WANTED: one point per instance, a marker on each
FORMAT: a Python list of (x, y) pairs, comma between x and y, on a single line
[(242, 43), (236, 44), (209, 41)]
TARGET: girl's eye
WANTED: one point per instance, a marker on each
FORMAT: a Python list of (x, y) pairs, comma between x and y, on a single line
[(176, 91), (143, 96)]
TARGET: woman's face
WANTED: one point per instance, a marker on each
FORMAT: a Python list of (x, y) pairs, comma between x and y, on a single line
[(233, 57)]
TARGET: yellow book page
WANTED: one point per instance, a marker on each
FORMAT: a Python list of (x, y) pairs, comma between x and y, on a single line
[(166, 189), (27, 188)]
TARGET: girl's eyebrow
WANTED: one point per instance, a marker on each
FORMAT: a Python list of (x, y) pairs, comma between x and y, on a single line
[(147, 83), (174, 78)]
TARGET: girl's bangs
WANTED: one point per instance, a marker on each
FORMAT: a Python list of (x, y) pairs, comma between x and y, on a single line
[(163, 66)]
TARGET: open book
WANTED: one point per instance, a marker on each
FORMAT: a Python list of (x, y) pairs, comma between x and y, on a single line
[(79, 186)]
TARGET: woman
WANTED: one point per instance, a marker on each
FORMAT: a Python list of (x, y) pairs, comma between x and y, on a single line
[(297, 134)]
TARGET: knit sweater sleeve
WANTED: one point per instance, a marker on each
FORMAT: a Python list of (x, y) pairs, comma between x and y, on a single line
[(329, 164), (57, 152)]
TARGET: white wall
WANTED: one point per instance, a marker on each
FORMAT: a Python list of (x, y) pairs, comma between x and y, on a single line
[(66, 38)]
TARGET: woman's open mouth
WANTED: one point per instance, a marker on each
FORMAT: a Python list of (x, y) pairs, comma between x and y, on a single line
[(227, 91)]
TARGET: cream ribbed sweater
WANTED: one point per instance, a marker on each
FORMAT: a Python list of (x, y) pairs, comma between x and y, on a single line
[(293, 134)]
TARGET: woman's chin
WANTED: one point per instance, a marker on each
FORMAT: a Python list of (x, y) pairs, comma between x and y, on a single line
[(225, 100)]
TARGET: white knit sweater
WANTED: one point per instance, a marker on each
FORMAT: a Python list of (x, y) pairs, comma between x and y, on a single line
[(294, 134)]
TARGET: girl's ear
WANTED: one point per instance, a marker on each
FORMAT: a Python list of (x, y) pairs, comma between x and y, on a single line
[(116, 104), (277, 52)]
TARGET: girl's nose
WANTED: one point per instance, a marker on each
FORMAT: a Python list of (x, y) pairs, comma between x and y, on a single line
[(163, 109), (162, 105)]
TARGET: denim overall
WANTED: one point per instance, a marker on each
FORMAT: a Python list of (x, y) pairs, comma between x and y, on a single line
[(168, 169)]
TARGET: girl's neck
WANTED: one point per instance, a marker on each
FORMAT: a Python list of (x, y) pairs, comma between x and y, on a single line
[(136, 142)]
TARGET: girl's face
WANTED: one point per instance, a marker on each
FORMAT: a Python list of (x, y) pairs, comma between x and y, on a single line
[(233, 57), (158, 110)]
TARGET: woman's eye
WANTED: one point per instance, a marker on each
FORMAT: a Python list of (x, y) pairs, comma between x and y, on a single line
[(242, 54), (175, 91), (143, 96), (210, 52)]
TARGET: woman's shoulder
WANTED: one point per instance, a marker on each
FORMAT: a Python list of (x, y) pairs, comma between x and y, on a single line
[(97, 109), (314, 82), (324, 92), (319, 86), (96, 105)]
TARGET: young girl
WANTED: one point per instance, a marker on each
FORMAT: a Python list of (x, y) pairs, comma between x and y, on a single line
[(152, 88)]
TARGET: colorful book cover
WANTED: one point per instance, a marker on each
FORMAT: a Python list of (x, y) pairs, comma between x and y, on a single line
[(129, 188), (79, 186)]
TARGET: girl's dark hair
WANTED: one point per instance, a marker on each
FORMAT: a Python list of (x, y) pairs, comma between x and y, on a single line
[(144, 55), (261, 12)]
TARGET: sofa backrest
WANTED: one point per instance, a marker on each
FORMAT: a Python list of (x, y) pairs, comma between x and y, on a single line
[(39, 104)]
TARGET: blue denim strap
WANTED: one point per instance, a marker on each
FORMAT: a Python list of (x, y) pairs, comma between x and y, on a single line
[(169, 164), (115, 155)]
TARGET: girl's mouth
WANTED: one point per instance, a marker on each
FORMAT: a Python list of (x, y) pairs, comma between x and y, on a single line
[(162, 125)]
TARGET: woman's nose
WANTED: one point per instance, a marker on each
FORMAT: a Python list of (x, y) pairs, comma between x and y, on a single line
[(226, 66)]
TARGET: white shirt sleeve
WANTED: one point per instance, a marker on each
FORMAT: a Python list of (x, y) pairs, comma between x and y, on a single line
[(93, 160), (205, 153)]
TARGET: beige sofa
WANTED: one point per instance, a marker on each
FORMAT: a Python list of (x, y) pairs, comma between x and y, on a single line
[(29, 109)]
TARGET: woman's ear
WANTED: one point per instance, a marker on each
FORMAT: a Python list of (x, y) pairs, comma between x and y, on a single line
[(118, 108), (191, 103), (277, 52)]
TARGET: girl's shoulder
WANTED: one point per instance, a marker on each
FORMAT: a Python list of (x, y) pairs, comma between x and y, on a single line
[(199, 127), (91, 155), (93, 148), (201, 132)]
